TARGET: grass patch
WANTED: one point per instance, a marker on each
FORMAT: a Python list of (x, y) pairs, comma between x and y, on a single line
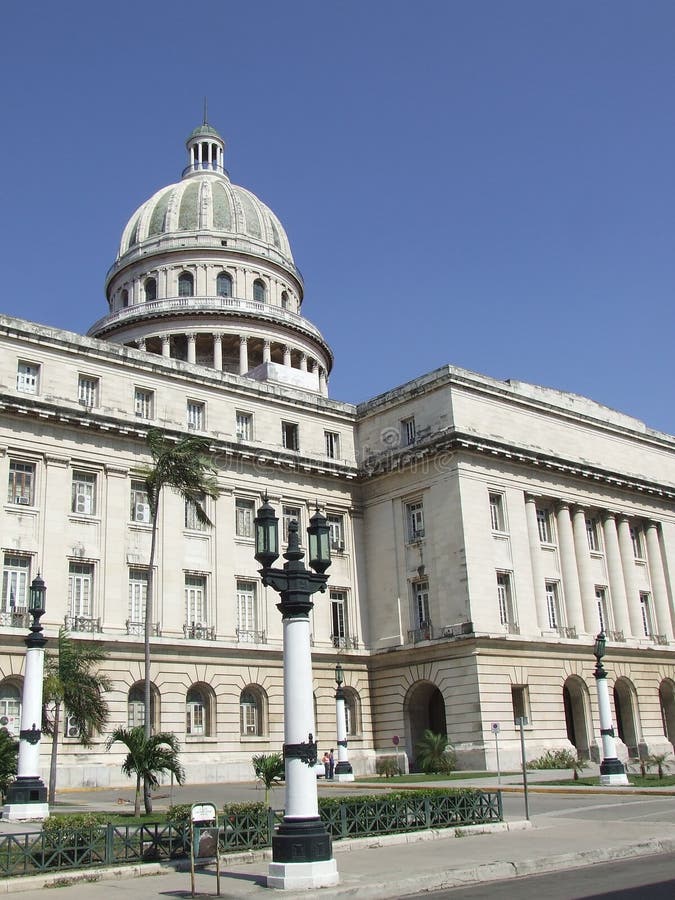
[(422, 777), (649, 781)]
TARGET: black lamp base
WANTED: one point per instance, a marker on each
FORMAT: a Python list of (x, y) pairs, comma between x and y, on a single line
[(301, 841)]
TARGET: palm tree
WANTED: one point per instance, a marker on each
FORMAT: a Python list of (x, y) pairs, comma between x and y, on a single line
[(270, 769), (185, 467), (147, 758), (660, 760), (430, 752), (71, 684)]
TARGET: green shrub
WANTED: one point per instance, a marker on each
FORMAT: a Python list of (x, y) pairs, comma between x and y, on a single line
[(554, 759), (179, 815), (68, 825), (387, 766)]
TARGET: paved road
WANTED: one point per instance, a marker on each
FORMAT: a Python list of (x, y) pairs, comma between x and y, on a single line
[(593, 807), (649, 878)]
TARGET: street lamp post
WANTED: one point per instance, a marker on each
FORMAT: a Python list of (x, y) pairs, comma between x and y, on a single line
[(343, 770), (26, 798), (612, 770), (302, 854)]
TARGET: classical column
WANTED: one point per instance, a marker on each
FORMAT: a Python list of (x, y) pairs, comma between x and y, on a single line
[(191, 353), (568, 565), (287, 355), (267, 353), (218, 352), (166, 345), (243, 354), (614, 571), (586, 581), (535, 557), (303, 362), (629, 579), (323, 381), (658, 580)]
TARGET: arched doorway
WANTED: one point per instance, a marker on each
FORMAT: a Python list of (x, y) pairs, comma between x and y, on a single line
[(625, 706), (667, 704), (577, 718), (424, 708)]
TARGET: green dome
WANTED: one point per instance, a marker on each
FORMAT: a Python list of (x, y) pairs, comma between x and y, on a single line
[(204, 130)]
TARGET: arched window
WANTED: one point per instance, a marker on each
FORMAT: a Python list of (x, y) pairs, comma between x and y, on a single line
[(259, 291), (198, 708), (252, 711), (10, 707), (224, 285), (136, 706), (352, 711), (284, 299), (150, 287), (186, 285), (124, 296)]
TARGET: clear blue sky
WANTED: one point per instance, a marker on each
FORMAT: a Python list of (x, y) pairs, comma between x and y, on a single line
[(488, 183)]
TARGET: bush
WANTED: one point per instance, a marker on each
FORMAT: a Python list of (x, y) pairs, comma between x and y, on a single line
[(68, 826), (434, 755), (179, 815), (554, 759), (387, 766)]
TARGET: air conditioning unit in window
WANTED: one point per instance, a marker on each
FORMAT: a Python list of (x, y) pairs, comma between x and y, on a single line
[(23, 501), (11, 724), (142, 512), (71, 729), (83, 504)]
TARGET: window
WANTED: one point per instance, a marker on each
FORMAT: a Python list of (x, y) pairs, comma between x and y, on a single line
[(21, 483), (224, 285), (352, 711), (338, 618), (87, 390), (136, 706), (80, 589), (646, 612), (186, 285), (421, 601), (289, 514), (544, 525), (138, 594), (143, 403), (408, 431), (247, 625), (196, 415), (124, 296), (83, 494), (243, 518), (259, 291), (192, 522), (505, 599), (552, 605), (337, 533), (289, 435), (520, 702), (332, 444), (601, 602), (250, 713), (140, 505), (27, 377), (592, 535), (10, 707), (15, 581), (195, 600), (284, 299), (497, 512), (195, 712), (414, 513), (637, 541), (150, 288), (244, 426)]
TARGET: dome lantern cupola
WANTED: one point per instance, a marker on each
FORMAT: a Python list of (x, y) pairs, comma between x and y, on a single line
[(206, 150)]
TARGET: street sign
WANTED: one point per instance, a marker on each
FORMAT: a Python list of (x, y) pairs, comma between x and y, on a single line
[(495, 727), (396, 740)]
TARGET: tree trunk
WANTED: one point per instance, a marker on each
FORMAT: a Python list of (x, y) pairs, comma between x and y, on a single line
[(55, 749), (137, 800)]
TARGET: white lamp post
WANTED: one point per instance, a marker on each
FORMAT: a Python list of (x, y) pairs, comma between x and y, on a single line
[(302, 852), (612, 770), (27, 796), (343, 770)]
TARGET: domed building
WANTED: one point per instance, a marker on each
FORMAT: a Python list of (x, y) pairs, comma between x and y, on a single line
[(482, 531)]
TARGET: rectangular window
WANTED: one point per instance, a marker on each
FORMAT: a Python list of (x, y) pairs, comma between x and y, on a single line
[(289, 514), (246, 612), (421, 600), (15, 581), (21, 485), (196, 415), (289, 435), (338, 618), (243, 518), (520, 702), (192, 522), (138, 594), (332, 444), (601, 603), (195, 600), (83, 494), (140, 506), (414, 513), (244, 426), (337, 533), (636, 540), (646, 612), (408, 431), (592, 535), (28, 377), (504, 599), (552, 605), (544, 525), (195, 717), (497, 512), (143, 403), (80, 589), (87, 390)]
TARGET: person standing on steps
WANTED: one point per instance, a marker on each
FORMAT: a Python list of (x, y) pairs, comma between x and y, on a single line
[(326, 765), (331, 765)]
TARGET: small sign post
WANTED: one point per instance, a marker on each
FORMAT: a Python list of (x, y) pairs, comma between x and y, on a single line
[(521, 721), (204, 839), (495, 731)]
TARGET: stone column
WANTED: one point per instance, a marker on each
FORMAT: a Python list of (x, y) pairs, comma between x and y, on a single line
[(303, 362), (191, 352), (616, 584), (568, 565), (267, 352), (629, 579), (658, 580), (287, 356), (323, 381), (218, 352), (538, 582), (166, 345), (586, 582), (243, 354)]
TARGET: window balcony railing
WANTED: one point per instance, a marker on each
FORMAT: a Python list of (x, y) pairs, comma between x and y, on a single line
[(345, 642), (617, 636), (138, 628), (427, 632), (83, 623), (658, 639), (247, 636), (511, 628), (196, 631), (567, 631), (15, 618)]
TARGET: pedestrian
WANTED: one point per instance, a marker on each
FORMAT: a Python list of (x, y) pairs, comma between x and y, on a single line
[(326, 765), (331, 765)]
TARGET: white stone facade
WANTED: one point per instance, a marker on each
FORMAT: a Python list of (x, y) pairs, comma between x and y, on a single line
[(483, 532)]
